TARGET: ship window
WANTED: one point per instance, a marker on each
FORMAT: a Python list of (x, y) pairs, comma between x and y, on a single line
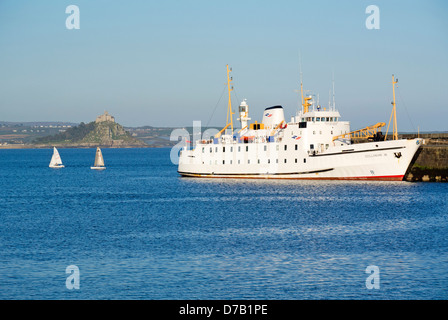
[(211, 150), (326, 146), (248, 161), (304, 160), (239, 148), (297, 147), (296, 160), (311, 146), (223, 149), (285, 160), (238, 161), (216, 149), (318, 119), (323, 119), (258, 161), (230, 161), (331, 131), (286, 147), (276, 160), (277, 147), (302, 125), (320, 132), (312, 119), (269, 160), (203, 150), (328, 119), (314, 132), (223, 161), (265, 148), (247, 148)]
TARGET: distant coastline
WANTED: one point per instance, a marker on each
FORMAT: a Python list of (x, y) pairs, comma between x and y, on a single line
[(104, 132), (45, 146)]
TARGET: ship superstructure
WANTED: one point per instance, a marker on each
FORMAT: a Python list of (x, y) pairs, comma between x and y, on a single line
[(315, 144)]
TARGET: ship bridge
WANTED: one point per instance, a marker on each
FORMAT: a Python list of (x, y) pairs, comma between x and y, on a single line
[(319, 116)]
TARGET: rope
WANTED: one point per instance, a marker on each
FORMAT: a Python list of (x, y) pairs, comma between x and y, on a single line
[(208, 122), (406, 109), (234, 92)]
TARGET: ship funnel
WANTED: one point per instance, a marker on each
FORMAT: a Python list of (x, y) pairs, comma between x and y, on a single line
[(273, 116)]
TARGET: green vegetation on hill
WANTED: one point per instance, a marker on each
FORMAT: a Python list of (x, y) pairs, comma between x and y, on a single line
[(74, 134), (105, 133)]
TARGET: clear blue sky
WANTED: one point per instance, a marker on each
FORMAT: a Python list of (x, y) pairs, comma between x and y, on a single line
[(163, 63)]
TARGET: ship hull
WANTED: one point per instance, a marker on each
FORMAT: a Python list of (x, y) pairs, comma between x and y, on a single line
[(382, 161), (292, 177)]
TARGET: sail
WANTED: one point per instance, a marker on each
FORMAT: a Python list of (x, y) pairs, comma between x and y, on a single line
[(56, 158), (99, 161)]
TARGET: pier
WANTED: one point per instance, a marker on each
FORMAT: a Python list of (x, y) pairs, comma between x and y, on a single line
[(431, 161)]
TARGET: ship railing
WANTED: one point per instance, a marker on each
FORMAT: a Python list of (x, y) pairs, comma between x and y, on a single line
[(313, 152), (210, 141), (243, 139)]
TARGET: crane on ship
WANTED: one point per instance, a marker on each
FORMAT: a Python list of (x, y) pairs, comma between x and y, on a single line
[(367, 133)]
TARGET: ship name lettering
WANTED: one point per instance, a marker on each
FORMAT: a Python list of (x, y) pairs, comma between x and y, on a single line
[(373, 155)]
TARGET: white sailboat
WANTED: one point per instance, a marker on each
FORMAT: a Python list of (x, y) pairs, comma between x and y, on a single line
[(56, 161), (99, 160)]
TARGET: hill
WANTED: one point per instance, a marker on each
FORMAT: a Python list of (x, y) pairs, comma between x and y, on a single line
[(103, 132)]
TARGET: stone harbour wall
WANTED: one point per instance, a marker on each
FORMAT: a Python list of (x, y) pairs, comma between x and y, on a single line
[(431, 165)]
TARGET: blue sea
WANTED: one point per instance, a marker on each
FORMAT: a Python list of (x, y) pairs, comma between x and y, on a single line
[(138, 230)]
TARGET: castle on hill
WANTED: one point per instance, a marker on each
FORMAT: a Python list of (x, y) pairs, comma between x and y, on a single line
[(105, 117)]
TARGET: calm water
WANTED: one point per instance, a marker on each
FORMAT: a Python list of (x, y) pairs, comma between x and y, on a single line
[(139, 231)]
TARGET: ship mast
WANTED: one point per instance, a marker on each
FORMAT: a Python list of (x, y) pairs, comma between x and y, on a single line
[(305, 100), (334, 104), (229, 89), (301, 79), (393, 114), (229, 109)]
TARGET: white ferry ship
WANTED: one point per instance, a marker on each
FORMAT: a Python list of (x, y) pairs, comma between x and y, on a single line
[(315, 144)]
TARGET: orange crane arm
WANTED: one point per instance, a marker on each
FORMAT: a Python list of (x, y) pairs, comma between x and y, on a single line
[(220, 132), (363, 133)]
